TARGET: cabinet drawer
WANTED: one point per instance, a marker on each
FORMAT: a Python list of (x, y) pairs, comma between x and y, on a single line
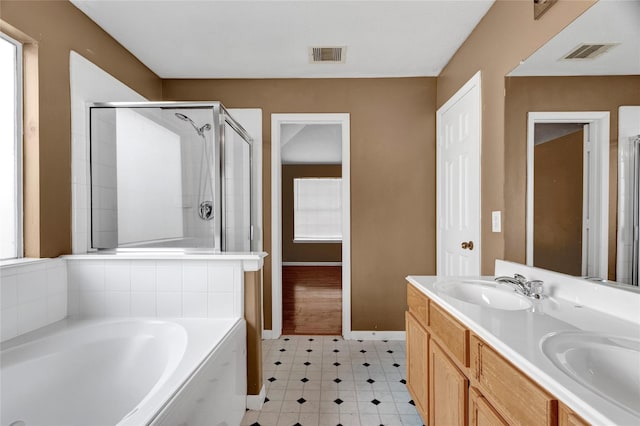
[(512, 393), (453, 335), (418, 305)]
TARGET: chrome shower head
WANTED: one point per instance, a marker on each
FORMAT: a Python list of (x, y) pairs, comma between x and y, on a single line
[(200, 130), (183, 117)]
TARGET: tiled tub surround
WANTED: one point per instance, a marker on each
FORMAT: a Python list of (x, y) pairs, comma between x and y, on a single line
[(33, 294), (156, 285), (572, 305)]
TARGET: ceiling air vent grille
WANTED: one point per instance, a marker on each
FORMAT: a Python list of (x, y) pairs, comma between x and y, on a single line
[(327, 55), (589, 51)]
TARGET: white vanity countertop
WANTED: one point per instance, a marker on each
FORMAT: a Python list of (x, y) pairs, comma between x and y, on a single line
[(517, 336)]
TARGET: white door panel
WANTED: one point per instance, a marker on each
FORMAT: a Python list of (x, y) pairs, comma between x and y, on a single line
[(458, 182)]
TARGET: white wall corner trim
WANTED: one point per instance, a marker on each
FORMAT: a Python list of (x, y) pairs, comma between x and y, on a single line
[(268, 335), (254, 402)]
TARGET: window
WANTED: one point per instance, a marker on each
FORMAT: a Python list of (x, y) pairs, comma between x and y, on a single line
[(317, 213), (10, 148)]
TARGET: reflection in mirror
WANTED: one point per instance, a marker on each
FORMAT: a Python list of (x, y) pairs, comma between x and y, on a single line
[(558, 197), (568, 169), (607, 81)]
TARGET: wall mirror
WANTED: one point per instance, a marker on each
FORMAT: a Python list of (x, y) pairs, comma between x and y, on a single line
[(572, 114)]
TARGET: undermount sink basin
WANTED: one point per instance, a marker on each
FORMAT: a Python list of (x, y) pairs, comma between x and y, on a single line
[(607, 365), (484, 293)]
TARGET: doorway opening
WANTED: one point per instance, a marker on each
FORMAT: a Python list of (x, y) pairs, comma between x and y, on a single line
[(568, 192), (310, 224)]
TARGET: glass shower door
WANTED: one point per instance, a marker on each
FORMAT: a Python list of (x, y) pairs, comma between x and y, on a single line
[(236, 192)]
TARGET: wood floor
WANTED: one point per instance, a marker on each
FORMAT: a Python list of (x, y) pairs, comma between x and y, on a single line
[(312, 300)]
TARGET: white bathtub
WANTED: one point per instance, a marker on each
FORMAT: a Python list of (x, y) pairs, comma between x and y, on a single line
[(125, 372)]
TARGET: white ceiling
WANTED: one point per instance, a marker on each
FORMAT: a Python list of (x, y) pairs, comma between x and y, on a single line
[(311, 143), (608, 21), (270, 39)]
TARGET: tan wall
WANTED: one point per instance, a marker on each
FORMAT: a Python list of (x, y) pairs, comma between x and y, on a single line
[(506, 35), (305, 252), (524, 94), (557, 204), (392, 175), (253, 316), (56, 28)]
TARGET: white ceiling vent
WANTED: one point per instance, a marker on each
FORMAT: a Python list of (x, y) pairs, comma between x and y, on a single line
[(327, 55), (588, 51)]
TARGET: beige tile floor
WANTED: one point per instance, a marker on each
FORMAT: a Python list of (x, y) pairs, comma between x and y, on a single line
[(325, 380)]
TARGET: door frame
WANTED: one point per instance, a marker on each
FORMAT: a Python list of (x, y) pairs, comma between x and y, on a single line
[(276, 214), (598, 122), (474, 83)]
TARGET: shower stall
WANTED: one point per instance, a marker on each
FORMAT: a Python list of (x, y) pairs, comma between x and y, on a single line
[(170, 175)]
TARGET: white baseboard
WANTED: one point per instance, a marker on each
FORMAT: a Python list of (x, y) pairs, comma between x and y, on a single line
[(254, 402), (377, 335), (268, 335), (355, 335), (311, 263)]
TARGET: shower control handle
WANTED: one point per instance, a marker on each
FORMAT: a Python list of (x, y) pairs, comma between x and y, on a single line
[(467, 245), (206, 210)]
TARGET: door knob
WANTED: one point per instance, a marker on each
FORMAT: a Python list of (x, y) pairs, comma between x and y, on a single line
[(467, 245)]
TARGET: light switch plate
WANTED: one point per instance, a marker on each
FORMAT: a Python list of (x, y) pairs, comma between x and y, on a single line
[(496, 221)]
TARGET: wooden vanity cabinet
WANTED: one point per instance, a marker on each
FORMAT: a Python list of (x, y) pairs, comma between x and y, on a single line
[(481, 413), (448, 389), (455, 378), (417, 364), (435, 377), (566, 417), (514, 395)]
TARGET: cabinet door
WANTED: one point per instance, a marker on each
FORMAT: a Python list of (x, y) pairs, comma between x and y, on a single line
[(569, 418), (481, 412), (417, 364), (448, 390)]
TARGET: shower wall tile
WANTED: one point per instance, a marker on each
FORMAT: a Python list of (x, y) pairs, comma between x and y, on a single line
[(143, 304), (194, 304), (143, 276), (117, 303), (32, 295), (221, 305), (169, 276), (169, 304), (163, 288), (194, 277)]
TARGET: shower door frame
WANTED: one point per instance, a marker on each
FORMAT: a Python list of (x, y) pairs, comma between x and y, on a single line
[(219, 169)]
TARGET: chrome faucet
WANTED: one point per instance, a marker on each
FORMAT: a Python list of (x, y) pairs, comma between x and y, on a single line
[(527, 288)]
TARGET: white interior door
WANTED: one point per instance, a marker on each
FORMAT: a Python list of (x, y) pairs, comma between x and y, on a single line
[(458, 182)]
